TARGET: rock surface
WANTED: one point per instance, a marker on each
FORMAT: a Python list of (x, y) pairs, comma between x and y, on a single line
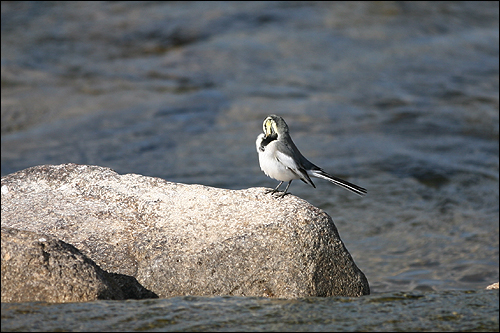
[(37, 267), (492, 286), (178, 239)]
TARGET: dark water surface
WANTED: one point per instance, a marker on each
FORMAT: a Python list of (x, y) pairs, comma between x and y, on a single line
[(398, 97), (445, 311)]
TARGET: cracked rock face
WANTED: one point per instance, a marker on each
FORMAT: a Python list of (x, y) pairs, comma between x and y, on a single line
[(179, 239)]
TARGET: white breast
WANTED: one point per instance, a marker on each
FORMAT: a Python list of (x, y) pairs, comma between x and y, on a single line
[(270, 164)]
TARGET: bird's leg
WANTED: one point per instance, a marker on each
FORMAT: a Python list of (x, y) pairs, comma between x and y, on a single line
[(286, 189), (275, 190)]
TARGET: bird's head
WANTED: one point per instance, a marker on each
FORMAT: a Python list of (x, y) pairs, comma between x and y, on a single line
[(274, 126)]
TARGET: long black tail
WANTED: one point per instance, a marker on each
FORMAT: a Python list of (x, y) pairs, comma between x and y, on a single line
[(318, 173)]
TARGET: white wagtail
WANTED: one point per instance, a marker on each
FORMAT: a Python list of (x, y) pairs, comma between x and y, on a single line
[(280, 159)]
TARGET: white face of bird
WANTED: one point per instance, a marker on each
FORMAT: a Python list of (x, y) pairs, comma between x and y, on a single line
[(269, 126)]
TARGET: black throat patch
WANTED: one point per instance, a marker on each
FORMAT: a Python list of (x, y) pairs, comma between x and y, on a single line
[(267, 141)]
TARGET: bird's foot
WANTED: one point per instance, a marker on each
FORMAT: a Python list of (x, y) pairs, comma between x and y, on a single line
[(280, 194), (276, 193)]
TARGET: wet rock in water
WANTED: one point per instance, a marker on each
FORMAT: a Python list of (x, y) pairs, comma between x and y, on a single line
[(36, 267), (179, 239), (492, 286)]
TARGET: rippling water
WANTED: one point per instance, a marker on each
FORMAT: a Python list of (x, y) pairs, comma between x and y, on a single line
[(445, 311), (398, 97)]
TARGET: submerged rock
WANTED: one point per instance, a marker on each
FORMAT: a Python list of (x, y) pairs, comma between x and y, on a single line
[(179, 239)]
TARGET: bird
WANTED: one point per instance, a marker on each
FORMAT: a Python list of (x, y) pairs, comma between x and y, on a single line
[(280, 159)]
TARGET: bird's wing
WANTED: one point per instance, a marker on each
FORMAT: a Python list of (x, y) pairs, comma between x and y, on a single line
[(284, 155)]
